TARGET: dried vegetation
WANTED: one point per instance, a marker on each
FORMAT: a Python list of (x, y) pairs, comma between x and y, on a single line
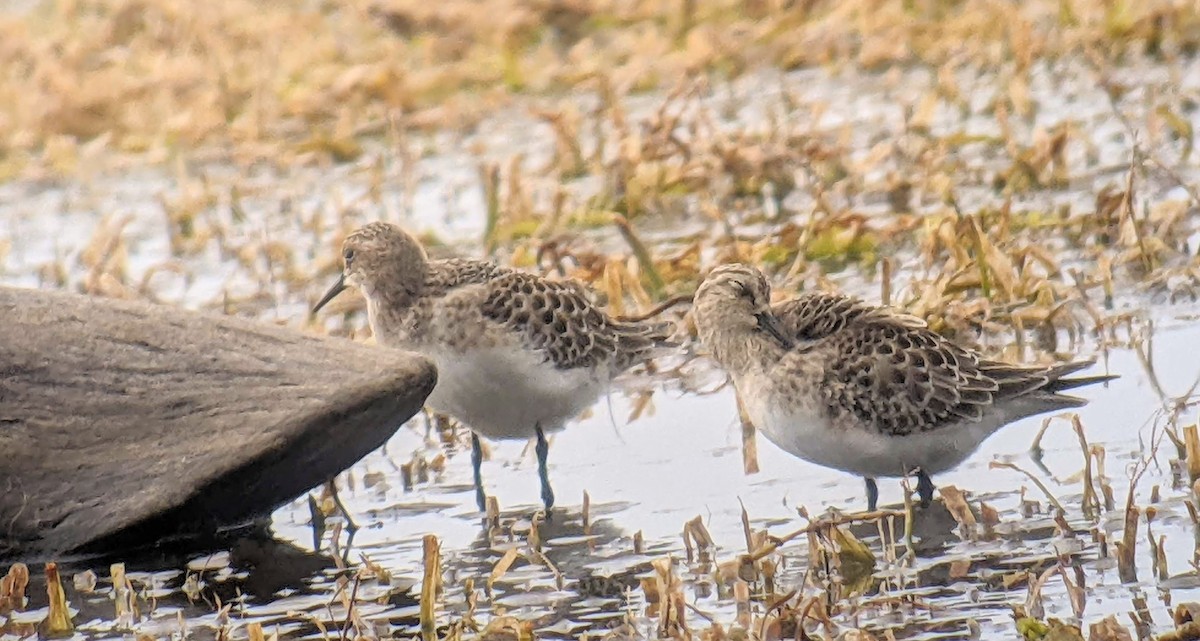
[(1009, 165)]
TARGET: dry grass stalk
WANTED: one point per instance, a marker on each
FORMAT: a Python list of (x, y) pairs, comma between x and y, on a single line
[(697, 542), (1091, 502), (1127, 546), (534, 539), (746, 531), (669, 600), (641, 253), (1191, 441), (1036, 481), (855, 561), (350, 603), (990, 518), (1033, 600), (749, 442), (493, 513), (12, 589), (490, 177), (431, 586), (956, 503), (58, 621), (123, 596), (1159, 550), (909, 517), (1074, 589), (741, 600), (587, 513), (818, 526), (1108, 629), (502, 566), (508, 628)]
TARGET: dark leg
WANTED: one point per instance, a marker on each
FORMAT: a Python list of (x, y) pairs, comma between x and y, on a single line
[(476, 463), (318, 522), (924, 488), (351, 526), (542, 450), (872, 494)]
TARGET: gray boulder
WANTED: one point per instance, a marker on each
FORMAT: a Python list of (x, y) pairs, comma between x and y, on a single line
[(122, 423)]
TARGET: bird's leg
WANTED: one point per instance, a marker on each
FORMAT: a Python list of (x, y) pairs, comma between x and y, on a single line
[(351, 526), (318, 522), (872, 494), (924, 488), (543, 449), (476, 463)]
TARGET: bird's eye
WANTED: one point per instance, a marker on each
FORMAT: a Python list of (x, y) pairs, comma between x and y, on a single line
[(348, 255)]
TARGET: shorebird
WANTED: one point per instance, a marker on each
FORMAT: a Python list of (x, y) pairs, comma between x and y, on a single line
[(865, 389), (518, 355)]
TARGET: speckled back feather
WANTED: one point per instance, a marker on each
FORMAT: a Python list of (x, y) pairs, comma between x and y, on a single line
[(559, 319), (466, 304), (888, 370), (820, 314)]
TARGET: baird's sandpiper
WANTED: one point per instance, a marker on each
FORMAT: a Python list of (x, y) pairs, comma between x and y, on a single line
[(861, 388), (518, 355)]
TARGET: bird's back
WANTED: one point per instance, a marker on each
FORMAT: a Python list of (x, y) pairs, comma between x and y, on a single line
[(887, 371), (469, 305), (516, 350), (561, 320)]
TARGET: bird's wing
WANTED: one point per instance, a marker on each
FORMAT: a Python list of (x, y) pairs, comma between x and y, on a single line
[(560, 320), (901, 380), (884, 369), (889, 371)]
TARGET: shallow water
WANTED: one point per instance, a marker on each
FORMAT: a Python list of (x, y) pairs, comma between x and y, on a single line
[(652, 476), (649, 476), (685, 461)]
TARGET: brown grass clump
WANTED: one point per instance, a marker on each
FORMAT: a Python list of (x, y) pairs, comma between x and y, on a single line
[(163, 76)]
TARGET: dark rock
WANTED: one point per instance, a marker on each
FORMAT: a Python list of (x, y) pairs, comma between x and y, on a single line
[(122, 423)]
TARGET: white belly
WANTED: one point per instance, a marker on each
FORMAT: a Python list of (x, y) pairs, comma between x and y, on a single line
[(807, 434), (505, 393)]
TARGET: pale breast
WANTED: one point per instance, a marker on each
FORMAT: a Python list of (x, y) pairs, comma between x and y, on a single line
[(782, 415), (799, 427), (506, 392)]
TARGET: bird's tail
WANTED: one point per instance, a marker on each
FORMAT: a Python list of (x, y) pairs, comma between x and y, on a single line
[(1037, 390), (645, 340), (1058, 381)]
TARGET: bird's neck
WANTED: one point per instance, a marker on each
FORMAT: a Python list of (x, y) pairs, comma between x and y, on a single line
[(743, 351), (390, 309)]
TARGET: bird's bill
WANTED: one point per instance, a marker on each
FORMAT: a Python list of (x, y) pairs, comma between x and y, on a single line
[(331, 294), (770, 324)]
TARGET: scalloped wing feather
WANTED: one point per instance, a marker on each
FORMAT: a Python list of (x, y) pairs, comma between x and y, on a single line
[(888, 370), (559, 320)]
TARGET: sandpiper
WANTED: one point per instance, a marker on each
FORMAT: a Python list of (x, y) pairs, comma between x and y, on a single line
[(865, 389), (518, 355)]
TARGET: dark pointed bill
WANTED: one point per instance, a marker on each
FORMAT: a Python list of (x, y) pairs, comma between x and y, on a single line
[(331, 294), (770, 324)]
